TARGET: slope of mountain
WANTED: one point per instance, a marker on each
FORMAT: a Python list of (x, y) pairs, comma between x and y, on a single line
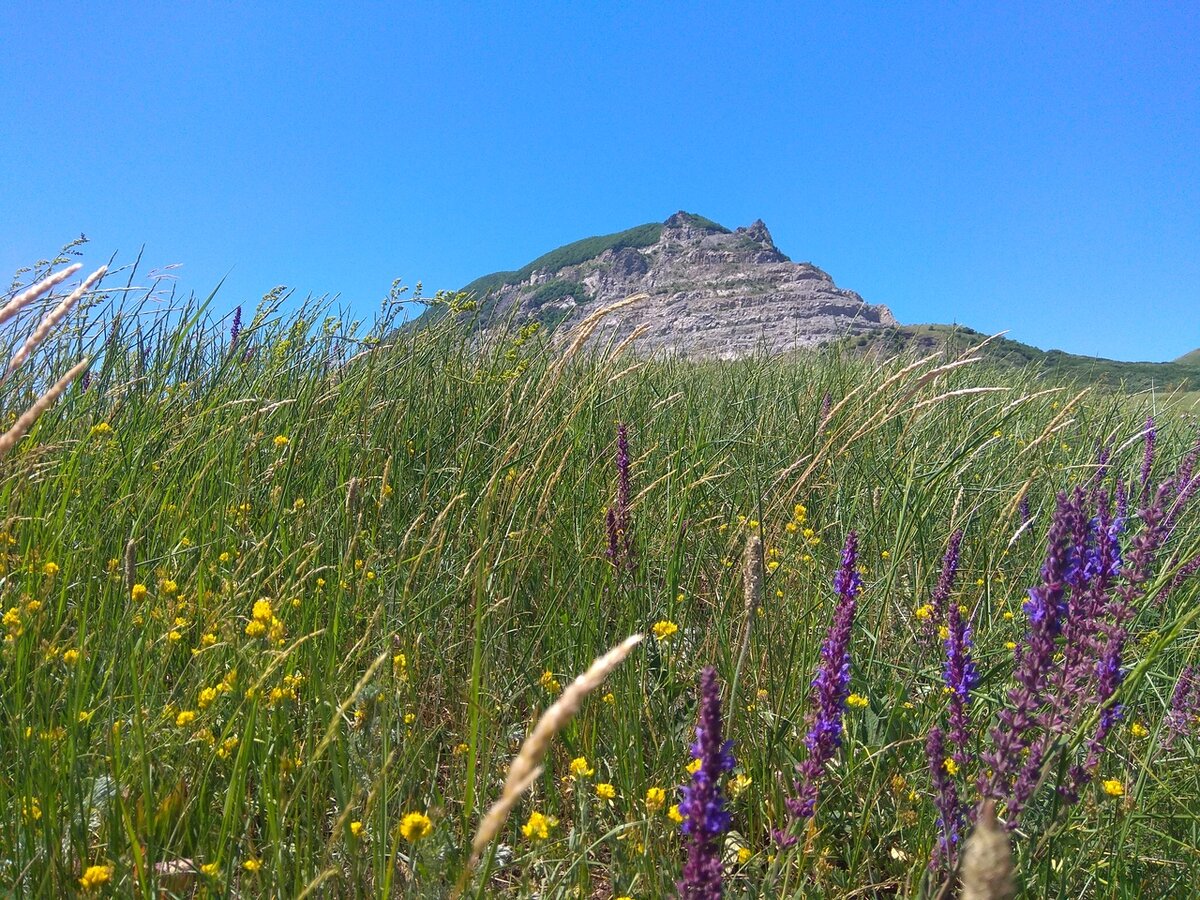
[(1190, 359), (712, 292), (1133, 376)]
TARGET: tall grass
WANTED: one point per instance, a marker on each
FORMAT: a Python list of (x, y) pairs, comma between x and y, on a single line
[(422, 515)]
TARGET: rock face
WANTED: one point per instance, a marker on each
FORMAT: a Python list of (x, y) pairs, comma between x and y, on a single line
[(713, 293)]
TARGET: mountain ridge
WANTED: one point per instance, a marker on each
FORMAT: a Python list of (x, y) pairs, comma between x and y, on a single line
[(706, 281)]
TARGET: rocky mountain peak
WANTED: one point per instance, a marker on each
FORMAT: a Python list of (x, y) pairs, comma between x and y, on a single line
[(713, 292)]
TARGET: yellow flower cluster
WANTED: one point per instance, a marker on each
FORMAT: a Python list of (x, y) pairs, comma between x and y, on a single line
[(538, 826), (263, 621), (664, 629)]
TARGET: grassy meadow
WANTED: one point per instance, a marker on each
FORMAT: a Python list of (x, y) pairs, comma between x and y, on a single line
[(280, 609)]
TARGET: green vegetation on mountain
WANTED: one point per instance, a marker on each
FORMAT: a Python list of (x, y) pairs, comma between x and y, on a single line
[(580, 251), (1184, 373)]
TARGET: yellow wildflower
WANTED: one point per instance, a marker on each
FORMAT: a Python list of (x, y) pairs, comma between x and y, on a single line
[(70, 657), (606, 791), (537, 827), (50, 569), (1138, 730), (857, 701), (94, 876), (280, 441), (138, 592), (168, 587), (655, 798), (415, 826), (674, 814), (252, 865), (1113, 788), (186, 717), (357, 828), (609, 699), (664, 629), (744, 855), (694, 766), (206, 697), (950, 765), (549, 682), (210, 869), (580, 768)]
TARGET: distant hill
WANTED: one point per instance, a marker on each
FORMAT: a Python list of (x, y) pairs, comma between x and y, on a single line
[(1135, 376)]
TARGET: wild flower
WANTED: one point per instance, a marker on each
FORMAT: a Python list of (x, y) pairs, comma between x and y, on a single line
[(664, 629), (579, 768), (831, 690), (414, 826), (1183, 715), (94, 876), (951, 812), (1113, 787), (655, 798), (705, 818), (538, 826), (606, 791), (1014, 732), (945, 583), (252, 865)]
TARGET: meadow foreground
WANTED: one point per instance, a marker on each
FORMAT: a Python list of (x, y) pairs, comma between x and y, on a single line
[(283, 598)]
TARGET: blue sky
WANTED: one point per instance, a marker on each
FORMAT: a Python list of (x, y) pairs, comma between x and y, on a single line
[(1021, 167)]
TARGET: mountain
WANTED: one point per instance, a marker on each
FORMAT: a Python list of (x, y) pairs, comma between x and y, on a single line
[(723, 294), (712, 292), (1183, 373)]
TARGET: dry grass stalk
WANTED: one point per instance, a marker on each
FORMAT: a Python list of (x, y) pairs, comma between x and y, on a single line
[(21, 427), (987, 866), (27, 296), (752, 573), (130, 564), (52, 319), (525, 766)]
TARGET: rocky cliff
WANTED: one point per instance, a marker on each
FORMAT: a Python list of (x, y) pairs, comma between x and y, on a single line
[(713, 292)]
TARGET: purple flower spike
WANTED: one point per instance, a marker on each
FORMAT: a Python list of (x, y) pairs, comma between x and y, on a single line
[(831, 688), (705, 818), (1014, 732), (1148, 458), (951, 814), (937, 599), (1183, 717), (959, 672), (236, 328)]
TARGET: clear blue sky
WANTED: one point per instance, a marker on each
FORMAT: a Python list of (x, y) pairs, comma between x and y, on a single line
[(1032, 168)]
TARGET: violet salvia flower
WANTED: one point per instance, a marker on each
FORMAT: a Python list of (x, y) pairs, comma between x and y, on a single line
[(1183, 716), (1148, 458), (961, 676), (1120, 611), (1023, 508), (1103, 454), (831, 688), (945, 583), (85, 381), (705, 818), (1186, 571), (951, 814), (1014, 732), (236, 328)]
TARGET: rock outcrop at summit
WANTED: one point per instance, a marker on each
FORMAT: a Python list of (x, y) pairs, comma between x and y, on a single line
[(712, 292)]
